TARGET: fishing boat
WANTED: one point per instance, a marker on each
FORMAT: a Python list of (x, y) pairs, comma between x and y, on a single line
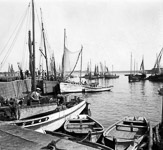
[(14, 91), (70, 87), (84, 126), (127, 132), (53, 120), (141, 75), (109, 75), (132, 77), (91, 88), (84, 88), (42, 114), (73, 87), (91, 75), (157, 74), (68, 67)]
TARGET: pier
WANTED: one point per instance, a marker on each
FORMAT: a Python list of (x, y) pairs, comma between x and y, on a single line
[(16, 138)]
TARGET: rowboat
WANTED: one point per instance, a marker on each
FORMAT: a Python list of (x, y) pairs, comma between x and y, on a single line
[(77, 88), (90, 89), (83, 126), (63, 136), (158, 130), (128, 133)]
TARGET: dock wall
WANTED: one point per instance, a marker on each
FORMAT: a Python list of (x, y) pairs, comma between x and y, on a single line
[(15, 89)]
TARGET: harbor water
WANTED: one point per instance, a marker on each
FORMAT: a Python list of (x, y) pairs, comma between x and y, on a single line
[(125, 99)]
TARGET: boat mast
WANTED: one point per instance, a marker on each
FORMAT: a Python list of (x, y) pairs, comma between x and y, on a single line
[(134, 66), (90, 70), (30, 53), (131, 65), (143, 65), (81, 63), (33, 31), (46, 58), (63, 53)]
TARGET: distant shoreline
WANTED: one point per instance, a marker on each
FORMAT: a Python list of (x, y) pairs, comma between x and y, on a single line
[(125, 72)]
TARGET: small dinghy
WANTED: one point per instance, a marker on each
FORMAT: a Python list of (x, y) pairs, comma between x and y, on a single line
[(84, 127), (128, 133)]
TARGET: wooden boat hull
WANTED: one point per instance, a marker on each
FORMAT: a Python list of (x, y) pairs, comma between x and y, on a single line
[(133, 78), (70, 88), (78, 140), (23, 112), (84, 127), (52, 121), (111, 77), (156, 78), (97, 89), (125, 132), (76, 88), (158, 137), (160, 91)]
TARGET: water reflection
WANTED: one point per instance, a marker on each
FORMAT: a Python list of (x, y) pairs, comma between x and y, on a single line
[(138, 99)]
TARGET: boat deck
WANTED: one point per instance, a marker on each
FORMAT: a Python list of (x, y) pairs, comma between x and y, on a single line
[(122, 132), (81, 128)]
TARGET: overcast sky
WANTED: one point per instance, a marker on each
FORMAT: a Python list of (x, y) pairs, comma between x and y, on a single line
[(109, 30)]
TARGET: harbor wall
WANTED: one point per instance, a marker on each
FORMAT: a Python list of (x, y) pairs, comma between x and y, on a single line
[(15, 89)]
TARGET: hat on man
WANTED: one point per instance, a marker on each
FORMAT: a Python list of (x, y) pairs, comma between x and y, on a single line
[(38, 89)]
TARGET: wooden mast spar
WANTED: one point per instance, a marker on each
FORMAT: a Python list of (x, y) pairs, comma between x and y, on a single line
[(33, 31), (46, 58)]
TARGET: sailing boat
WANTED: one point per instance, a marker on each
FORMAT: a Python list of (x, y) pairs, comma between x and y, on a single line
[(89, 75), (49, 114), (132, 77), (68, 67), (157, 74), (101, 72), (142, 74), (109, 75), (72, 87)]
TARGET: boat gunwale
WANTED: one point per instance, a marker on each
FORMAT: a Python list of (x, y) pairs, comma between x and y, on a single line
[(89, 119), (113, 126), (43, 117)]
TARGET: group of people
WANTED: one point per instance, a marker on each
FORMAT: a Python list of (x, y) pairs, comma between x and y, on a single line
[(35, 96), (13, 104)]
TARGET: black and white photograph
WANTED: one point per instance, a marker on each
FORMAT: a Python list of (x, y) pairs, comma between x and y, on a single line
[(81, 74)]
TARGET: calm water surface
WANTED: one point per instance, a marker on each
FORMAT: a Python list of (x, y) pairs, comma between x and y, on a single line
[(125, 99)]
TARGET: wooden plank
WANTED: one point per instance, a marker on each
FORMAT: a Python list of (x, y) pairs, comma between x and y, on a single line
[(134, 126), (82, 123)]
